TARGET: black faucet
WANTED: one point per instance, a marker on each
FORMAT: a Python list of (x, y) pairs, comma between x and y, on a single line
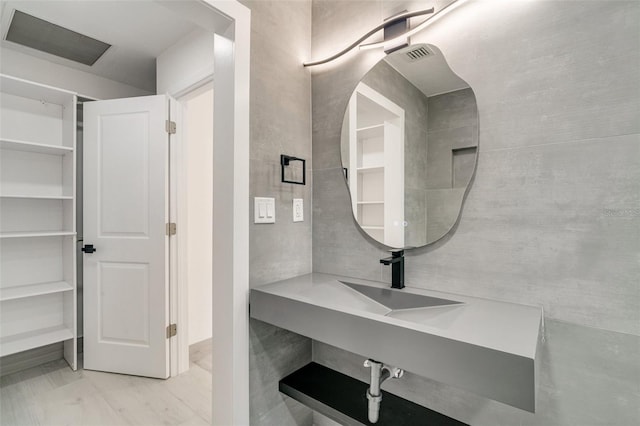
[(397, 268)]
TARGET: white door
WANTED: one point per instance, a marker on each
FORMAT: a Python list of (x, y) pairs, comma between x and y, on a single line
[(125, 216)]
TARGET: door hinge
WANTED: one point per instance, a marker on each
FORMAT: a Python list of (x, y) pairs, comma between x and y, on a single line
[(172, 330), (170, 127), (171, 228)]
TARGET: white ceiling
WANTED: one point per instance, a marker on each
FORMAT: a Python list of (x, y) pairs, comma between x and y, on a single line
[(430, 74), (137, 30)]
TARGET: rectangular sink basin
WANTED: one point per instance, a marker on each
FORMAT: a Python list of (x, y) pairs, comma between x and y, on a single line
[(397, 299)]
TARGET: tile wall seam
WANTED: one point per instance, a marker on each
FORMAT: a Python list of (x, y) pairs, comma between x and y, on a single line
[(515, 148), (324, 169), (571, 141)]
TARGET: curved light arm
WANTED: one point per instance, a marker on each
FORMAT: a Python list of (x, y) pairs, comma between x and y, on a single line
[(391, 21), (422, 25)]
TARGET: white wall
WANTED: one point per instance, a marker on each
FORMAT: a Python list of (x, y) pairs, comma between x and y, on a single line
[(187, 61), (39, 70), (198, 121), (179, 70)]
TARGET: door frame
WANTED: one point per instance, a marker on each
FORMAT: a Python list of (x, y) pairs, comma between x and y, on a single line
[(231, 24), (178, 209)]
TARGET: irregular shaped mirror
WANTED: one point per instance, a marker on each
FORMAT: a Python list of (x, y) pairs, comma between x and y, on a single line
[(409, 147)]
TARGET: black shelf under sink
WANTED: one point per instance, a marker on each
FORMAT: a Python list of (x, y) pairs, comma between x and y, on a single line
[(342, 398)]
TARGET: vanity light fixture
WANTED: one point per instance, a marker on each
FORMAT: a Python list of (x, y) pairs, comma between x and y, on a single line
[(394, 38)]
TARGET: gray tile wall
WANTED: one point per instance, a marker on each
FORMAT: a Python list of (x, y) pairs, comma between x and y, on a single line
[(552, 216), (280, 124)]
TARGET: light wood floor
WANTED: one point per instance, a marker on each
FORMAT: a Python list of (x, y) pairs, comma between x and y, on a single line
[(52, 394)]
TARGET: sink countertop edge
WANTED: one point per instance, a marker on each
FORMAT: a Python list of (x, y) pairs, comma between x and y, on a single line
[(498, 375), (534, 322)]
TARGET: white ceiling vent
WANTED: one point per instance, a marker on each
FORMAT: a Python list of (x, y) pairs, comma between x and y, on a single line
[(418, 53), (42, 35)]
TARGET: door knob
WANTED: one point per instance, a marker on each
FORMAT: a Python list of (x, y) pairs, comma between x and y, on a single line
[(88, 248)]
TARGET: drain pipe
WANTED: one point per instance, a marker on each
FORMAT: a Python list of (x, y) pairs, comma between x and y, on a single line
[(379, 373)]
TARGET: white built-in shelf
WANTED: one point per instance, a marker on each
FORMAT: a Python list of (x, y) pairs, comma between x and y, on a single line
[(368, 203), (33, 339), (38, 197), (374, 169), (35, 234), (369, 132), (37, 231), (22, 291), (29, 89), (40, 148)]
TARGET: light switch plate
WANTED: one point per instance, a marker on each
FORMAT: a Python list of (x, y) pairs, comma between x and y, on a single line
[(298, 210), (264, 210)]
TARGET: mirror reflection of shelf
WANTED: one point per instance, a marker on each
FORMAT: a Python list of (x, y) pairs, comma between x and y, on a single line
[(373, 169), (376, 153), (370, 150), (369, 132), (370, 215), (376, 232)]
